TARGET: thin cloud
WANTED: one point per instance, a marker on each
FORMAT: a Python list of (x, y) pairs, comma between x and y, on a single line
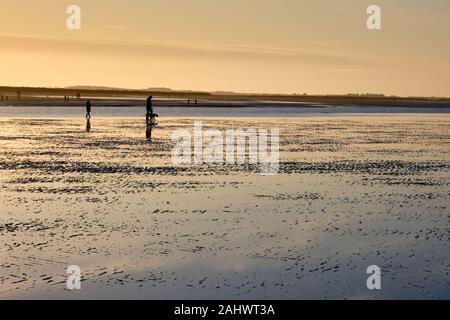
[(177, 51)]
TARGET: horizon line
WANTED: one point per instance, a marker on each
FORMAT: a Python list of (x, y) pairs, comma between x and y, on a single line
[(218, 92)]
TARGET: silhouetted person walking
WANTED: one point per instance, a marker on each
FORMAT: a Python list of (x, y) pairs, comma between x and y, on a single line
[(88, 109), (149, 108), (150, 119)]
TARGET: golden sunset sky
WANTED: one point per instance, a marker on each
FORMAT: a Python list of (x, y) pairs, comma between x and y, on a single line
[(273, 46)]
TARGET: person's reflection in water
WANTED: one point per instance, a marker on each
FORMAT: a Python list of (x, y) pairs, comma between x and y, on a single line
[(148, 132), (88, 124)]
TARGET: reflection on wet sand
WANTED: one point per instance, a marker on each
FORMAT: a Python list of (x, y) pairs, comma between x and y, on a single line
[(88, 124), (148, 132), (352, 192)]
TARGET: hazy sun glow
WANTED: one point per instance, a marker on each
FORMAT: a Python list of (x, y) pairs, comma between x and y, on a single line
[(288, 46)]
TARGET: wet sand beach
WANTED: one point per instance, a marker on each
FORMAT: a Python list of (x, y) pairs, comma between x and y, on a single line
[(352, 191)]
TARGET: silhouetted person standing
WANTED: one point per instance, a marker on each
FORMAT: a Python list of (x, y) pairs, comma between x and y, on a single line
[(149, 108), (88, 109)]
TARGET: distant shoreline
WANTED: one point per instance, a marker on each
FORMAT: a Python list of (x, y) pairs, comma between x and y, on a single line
[(221, 104), (105, 96)]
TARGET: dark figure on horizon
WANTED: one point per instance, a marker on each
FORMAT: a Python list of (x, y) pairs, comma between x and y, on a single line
[(88, 109)]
